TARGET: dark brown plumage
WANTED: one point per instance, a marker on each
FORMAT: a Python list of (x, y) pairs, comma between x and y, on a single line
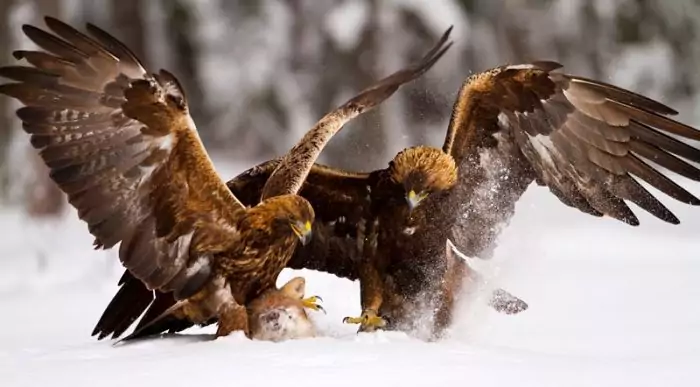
[(510, 126), (173, 206), (365, 220)]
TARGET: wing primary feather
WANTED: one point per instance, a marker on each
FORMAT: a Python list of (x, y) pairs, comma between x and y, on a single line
[(128, 304), (78, 39), (162, 302), (624, 96), (649, 135), (666, 160), (116, 47), (53, 44), (639, 168), (440, 42), (658, 121), (628, 188), (31, 75), (58, 96), (67, 69), (290, 174), (614, 207)]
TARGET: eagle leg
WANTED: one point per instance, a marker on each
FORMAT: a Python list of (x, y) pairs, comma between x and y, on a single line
[(501, 301), (232, 317), (312, 303), (462, 274), (369, 321), (371, 293)]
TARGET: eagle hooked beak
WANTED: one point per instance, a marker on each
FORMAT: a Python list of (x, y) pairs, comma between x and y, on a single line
[(414, 199), (303, 231)]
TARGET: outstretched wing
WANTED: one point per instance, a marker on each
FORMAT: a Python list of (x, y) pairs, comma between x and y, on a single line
[(341, 202), (293, 168), (121, 144), (584, 139)]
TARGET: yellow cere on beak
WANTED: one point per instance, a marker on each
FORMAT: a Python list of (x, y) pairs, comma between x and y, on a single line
[(303, 232), (414, 199)]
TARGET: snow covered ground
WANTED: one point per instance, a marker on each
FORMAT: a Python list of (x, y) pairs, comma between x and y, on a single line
[(610, 305)]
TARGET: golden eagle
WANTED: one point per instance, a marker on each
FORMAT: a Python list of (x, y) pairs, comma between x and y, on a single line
[(510, 126), (121, 144)]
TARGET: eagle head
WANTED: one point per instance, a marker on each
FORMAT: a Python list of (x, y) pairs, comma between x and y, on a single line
[(421, 171), (287, 213)]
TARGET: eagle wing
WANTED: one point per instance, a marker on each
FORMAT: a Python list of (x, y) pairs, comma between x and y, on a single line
[(584, 139), (293, 168), (121, 144)]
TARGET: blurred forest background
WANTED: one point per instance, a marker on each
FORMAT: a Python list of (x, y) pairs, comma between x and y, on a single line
[(259, 73)]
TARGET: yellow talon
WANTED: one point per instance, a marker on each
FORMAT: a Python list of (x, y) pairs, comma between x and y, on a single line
[(353, 320), (312, 303), (369, 321)]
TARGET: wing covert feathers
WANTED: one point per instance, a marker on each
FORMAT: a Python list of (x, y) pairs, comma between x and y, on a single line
[(121, 144)]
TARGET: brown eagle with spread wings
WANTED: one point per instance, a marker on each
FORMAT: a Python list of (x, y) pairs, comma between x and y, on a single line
[(121, 144), (512, 125)]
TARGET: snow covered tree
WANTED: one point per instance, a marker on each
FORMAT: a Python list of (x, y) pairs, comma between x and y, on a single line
[(259, 73)]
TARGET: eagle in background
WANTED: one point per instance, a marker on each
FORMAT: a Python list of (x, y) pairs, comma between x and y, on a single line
[(121, 144)]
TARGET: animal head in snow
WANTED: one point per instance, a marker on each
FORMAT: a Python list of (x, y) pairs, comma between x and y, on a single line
[(280, 314)]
